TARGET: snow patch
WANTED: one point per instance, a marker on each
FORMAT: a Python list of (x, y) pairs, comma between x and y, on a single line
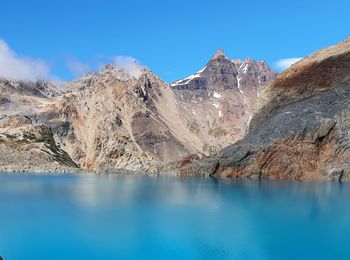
[(220, 113), (239, 84), (245, 69), (242, 64), (188, 79), (217, 95), (245, 66), (216, 105)]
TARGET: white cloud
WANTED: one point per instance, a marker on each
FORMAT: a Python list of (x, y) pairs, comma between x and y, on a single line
[(77, 67), (286, 63), (15, 67), (129, 64)]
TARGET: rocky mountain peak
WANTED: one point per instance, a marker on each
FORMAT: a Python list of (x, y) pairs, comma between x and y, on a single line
[(263, 62), (237, 62), (115, 71), (219, 99), (219, 53), (221, 74)]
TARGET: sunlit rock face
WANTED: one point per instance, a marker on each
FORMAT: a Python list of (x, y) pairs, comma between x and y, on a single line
[(300, 129)]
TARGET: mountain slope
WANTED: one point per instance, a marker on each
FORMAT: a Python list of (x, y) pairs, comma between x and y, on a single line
[(300, 129)]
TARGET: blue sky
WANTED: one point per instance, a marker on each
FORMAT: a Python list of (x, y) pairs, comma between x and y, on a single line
[(173, 38)]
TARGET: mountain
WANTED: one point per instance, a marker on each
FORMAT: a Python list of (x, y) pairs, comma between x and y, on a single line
[(111, 120), (220, 98), (300, 129)]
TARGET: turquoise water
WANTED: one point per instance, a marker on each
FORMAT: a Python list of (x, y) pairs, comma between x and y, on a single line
[(140, 217)]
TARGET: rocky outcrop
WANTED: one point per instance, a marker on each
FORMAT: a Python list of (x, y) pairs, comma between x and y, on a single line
[(301, 127)]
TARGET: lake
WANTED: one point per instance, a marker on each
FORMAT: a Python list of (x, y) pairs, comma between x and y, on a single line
[(149, 217)]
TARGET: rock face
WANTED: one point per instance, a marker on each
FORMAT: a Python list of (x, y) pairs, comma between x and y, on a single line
[(113, 120), (300, 129)]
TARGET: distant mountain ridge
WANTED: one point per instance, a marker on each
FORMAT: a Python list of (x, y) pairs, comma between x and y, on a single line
[(111, 120)]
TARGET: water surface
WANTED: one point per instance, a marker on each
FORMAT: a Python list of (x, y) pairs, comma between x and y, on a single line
[(140, 217)]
